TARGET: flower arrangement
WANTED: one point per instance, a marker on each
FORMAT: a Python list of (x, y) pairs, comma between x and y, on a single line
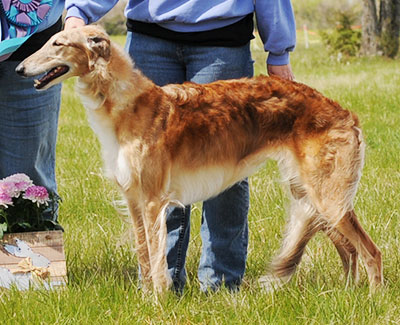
[(22, 205)]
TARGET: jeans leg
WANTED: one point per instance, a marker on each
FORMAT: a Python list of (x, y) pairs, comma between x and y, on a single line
[(158, 59), (28, 128), (224, 232), (224, 229), (162, 62), (178, 228)]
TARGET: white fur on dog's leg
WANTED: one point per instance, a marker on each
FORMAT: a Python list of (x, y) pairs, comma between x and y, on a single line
[(271, 283)]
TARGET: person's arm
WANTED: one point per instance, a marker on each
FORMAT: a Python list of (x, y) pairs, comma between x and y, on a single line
[(82, 12), (277, 28)]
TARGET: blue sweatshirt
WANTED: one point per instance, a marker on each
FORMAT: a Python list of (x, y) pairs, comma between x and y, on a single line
[(275, 19)]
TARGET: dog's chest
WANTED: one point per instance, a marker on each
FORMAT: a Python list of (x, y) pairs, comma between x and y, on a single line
[(115, 164)]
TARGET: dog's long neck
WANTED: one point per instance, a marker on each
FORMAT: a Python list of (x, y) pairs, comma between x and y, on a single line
[(109, 94), (113, 85)]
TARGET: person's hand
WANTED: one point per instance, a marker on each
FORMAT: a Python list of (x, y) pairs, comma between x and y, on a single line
[(283, 71), (73, 22)]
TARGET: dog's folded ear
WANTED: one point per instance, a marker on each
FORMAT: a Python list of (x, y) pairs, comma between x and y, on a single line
[(99, 46)]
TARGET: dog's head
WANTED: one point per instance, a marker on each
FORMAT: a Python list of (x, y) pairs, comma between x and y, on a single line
[(69, 53)]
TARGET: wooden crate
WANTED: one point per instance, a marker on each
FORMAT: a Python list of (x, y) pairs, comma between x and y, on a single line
[(46, 243)]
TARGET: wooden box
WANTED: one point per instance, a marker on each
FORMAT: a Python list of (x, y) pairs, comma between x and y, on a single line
[(48, 244)]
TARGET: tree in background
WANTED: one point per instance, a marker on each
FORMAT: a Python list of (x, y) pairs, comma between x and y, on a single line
[(380, 27)]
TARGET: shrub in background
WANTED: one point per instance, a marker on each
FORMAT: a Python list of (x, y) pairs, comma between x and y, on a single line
[(343, 39)]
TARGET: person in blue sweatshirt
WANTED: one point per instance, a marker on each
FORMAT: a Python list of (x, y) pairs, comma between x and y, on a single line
[(202, 41), (28, 118)]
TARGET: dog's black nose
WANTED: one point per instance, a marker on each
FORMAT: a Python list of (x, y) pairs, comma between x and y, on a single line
[(20, 69)]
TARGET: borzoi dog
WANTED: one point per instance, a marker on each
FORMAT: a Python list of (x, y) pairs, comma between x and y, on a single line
[(179, 144)]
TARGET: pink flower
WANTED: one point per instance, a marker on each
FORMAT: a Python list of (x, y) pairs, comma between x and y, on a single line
[(5, 199), (9, 189), (21, 181), (37, 194)]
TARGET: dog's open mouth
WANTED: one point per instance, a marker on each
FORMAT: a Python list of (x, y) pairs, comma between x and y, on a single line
[(51, 75)]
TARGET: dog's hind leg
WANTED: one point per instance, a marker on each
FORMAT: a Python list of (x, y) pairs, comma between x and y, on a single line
[(304, 223), (331, 179), (347, 252), (369, 252), (300, 228), (284, 265)]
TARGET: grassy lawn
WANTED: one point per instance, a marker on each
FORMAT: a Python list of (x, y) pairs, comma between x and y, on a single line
[(103, 278)]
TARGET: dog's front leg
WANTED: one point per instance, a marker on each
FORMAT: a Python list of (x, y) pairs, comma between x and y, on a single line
[(155, 223), (141, 244)]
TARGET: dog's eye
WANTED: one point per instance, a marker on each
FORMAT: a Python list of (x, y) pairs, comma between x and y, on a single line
[(55, 43)]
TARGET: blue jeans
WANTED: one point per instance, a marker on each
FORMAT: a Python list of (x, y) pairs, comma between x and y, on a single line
[(28, 128), (224, 228)]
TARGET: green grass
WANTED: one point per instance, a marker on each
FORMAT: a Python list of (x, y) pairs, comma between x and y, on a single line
[(102, 269)]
